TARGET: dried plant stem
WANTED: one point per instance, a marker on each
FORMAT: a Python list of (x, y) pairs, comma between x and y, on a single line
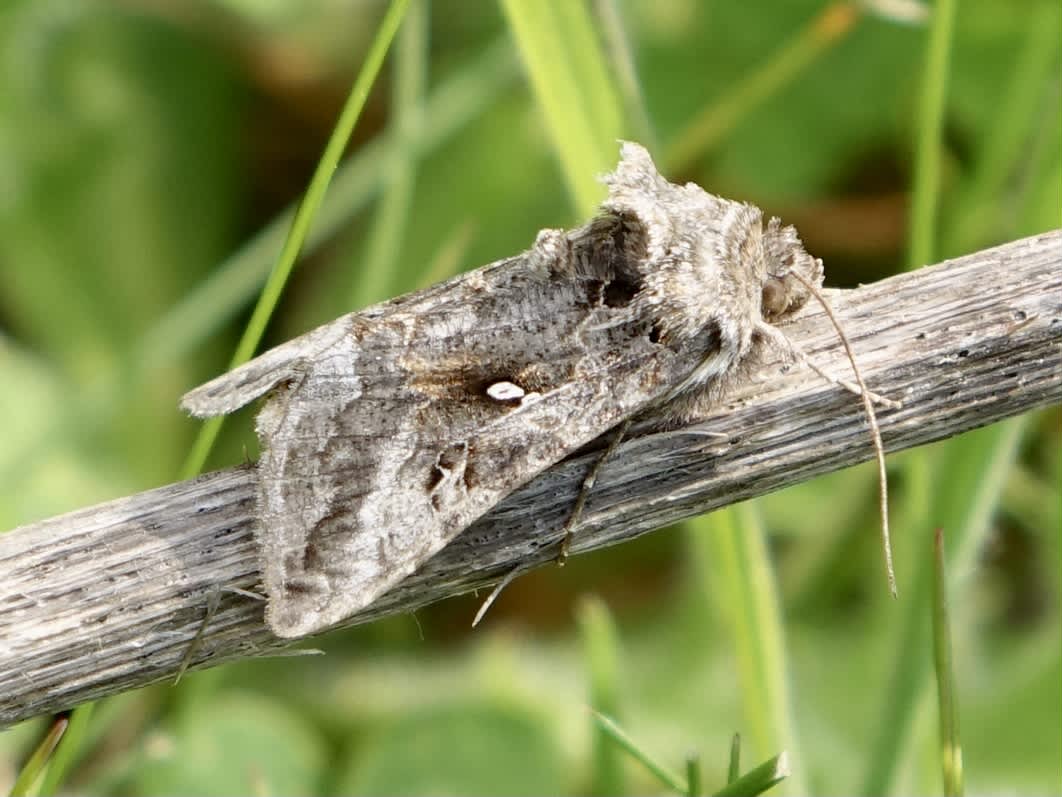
[(108, 598)]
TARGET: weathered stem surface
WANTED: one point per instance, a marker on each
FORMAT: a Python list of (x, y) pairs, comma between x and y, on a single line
[(108, 598)]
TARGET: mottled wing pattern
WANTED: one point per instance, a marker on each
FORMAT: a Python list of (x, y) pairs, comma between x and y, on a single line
[(382, 443)]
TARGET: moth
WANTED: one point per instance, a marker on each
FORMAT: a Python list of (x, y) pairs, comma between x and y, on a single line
[(388, 431)]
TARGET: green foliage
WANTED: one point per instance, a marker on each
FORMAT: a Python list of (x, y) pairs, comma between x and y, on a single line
[(464, 748), (231, 743), (150, 163)]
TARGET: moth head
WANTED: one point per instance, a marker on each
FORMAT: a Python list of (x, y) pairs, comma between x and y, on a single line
[(789, 270)]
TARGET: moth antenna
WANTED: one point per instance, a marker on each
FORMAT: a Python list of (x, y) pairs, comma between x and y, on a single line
[(872, 420), (494, 593)]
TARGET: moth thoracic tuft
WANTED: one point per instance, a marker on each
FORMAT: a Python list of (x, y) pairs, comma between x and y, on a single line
[(400, 425)]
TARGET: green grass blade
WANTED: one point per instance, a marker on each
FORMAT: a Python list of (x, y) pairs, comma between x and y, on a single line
[(593, 72), (668, 778), (975, 463), (977, 467), (570, 79), (756, 781), (693, 776), (300, 225), (1040, 209), (35, 766), (601, 651), (947, 700), (68, 750), (374, 279), (733, 769), (975, 221), (717, 120), (927, 168), (729, 552), (910, 672), (621, 54)]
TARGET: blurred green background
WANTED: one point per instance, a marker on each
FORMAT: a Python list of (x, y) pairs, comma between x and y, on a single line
[(148, 150)]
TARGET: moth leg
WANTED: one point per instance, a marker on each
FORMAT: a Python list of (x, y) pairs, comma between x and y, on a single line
[(508, 579), (796, 353), (584, 492), (213, 602)]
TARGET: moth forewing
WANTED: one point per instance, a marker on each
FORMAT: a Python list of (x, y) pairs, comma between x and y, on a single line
[(389, 431), (242, 385)]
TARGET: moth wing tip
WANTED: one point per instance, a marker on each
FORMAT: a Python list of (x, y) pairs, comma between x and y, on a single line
[(290, 618), (206, 402), (239, 387), (293, 619), (292, 630)]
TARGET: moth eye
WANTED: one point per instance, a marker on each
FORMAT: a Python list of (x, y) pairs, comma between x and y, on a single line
[(773, 301)]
